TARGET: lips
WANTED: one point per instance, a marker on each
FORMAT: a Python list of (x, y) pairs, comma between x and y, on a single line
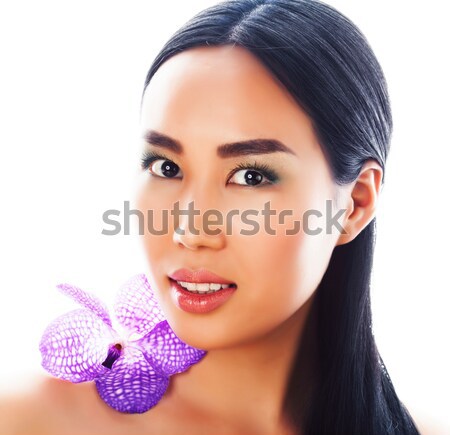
[(198, 276), (199, 303)]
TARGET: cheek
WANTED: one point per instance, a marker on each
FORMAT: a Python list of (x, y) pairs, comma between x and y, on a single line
[(281, 272), (157, 234), (289, 265), (154, 200)]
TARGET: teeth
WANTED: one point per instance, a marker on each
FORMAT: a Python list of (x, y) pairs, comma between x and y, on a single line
[(202, 287)]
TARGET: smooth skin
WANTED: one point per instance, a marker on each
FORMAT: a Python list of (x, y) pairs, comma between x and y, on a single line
[(203, 98)]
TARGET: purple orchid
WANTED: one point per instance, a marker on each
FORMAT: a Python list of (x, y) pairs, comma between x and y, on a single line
[(131, 370)]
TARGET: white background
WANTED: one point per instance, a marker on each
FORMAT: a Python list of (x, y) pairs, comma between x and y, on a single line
[(71, 80)]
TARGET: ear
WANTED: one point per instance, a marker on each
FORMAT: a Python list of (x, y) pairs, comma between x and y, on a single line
[(361, 201)]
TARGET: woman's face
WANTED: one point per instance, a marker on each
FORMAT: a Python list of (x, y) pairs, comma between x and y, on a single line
[(204, 98)]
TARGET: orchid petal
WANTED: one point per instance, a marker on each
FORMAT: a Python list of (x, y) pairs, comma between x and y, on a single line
[(136, 307), (166, 352), (74, 346), (132, 385), (87, 300)]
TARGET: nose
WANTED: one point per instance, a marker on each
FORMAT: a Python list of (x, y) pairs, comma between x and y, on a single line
[(199, 227)]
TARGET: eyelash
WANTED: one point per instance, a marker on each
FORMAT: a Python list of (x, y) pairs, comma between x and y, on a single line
[(150, 156)]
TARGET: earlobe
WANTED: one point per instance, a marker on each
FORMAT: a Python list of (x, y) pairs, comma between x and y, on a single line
[(362, 201)]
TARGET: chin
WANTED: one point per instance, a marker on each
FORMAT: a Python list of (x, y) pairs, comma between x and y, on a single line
[(208, 334)]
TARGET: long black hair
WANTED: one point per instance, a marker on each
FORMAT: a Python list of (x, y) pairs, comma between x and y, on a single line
[(342, 387)]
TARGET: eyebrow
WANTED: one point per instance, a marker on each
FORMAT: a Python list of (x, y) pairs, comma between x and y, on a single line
[(227, 150)]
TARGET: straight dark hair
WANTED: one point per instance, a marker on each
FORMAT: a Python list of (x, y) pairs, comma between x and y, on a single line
[(338, 383)]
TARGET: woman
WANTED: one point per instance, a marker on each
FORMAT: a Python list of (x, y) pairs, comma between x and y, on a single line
[(276, 110)]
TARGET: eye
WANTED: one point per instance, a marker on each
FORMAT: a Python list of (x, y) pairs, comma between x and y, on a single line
[(253, 175), (245, 174), (167, 168), (159, 165)]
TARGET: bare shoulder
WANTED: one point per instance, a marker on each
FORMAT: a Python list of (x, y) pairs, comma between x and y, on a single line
[(47, 404), (50, 406)]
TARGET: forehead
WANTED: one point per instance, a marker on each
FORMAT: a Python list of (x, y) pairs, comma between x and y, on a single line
[(224, 92)]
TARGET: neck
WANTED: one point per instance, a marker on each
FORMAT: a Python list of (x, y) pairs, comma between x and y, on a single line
[(245, 384)]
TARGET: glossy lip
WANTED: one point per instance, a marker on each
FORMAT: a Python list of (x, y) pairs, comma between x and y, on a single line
[(198, 276), (196, 302)]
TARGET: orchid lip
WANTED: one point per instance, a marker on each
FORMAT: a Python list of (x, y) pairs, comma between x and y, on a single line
[(115, 351)]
